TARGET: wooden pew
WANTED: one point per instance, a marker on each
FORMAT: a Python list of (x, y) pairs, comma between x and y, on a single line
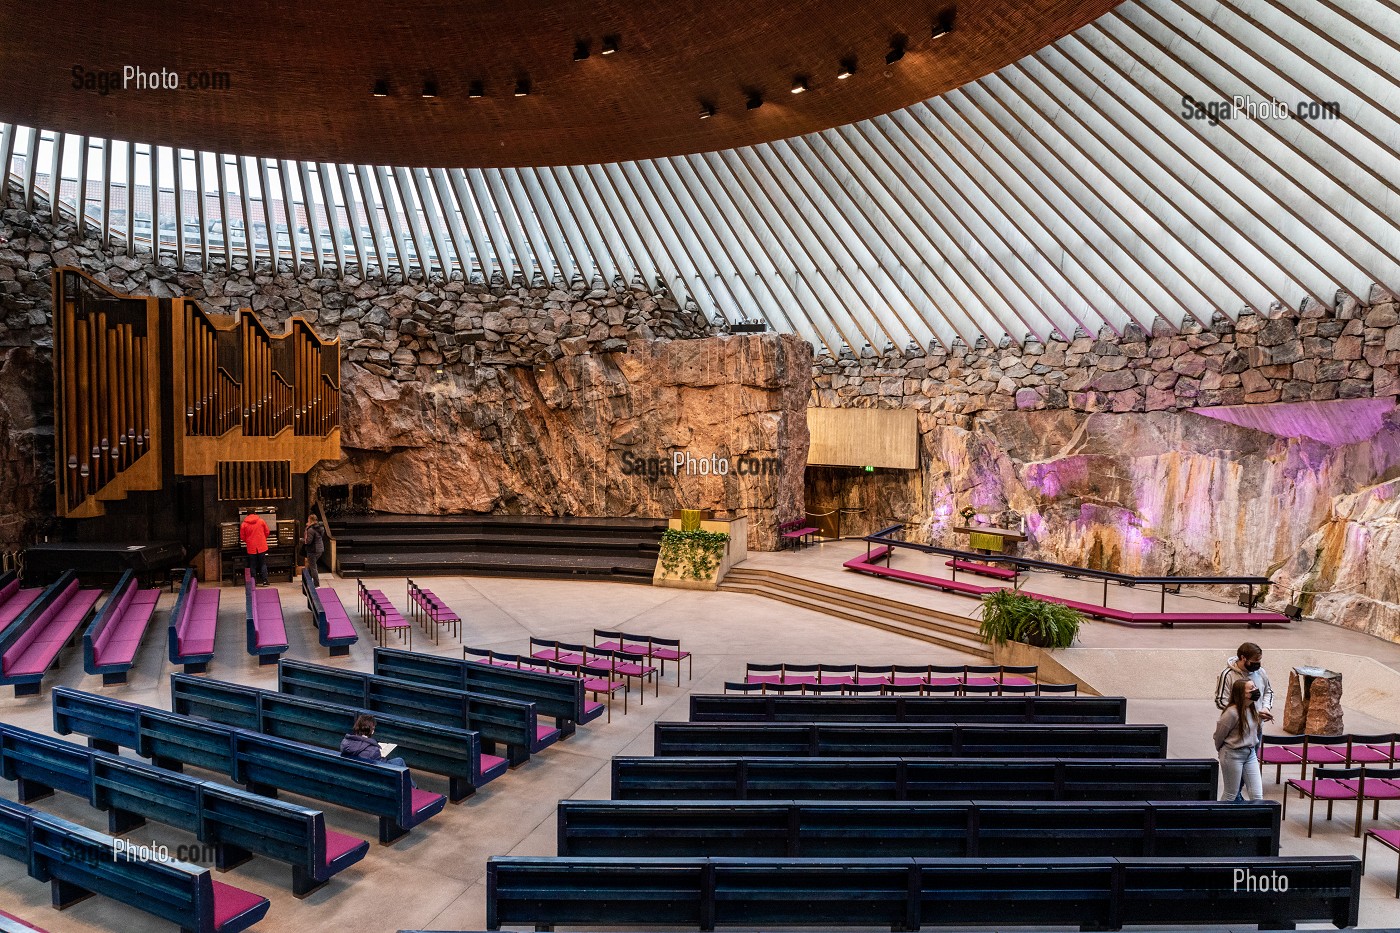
[(261, 763), (952, 829), (991, 709), (909, 893), (455, 753), (556, 696), (31, 644), (236, 823), (916, 740), (79, 862), (507, 722), (193, 625), (267, 630), (111, 641), (334, 630), (735, 778)]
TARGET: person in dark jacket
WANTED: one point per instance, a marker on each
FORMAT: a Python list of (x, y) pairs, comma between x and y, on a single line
[(359, 743), (314, 543)]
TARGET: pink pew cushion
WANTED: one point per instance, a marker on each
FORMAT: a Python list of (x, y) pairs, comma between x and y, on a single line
[(423, 799), (197, 635), (230, 903), (491, 762), (338, 844)]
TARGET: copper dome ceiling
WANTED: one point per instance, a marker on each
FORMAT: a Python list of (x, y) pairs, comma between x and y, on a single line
[(301, 76)]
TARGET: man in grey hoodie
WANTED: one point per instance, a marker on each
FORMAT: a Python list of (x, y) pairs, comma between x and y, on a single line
[(1246, 664)]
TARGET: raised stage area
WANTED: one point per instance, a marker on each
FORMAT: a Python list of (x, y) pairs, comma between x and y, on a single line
[(619, 549)]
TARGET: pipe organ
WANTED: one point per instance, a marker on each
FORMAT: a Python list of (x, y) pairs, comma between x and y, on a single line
[(207, 413), (106, 357)]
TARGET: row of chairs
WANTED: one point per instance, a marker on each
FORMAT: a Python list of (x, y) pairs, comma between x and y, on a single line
[(914, 689), (898, 675), (1342, 785), (1327, 751), (600, 677), (382, 617), (655, 648), (432, 612)]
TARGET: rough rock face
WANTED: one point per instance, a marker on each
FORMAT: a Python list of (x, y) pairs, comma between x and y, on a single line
[(26, 443), (564, 438)]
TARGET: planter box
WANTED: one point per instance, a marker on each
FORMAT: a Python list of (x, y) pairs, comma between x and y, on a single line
[(736, 549)]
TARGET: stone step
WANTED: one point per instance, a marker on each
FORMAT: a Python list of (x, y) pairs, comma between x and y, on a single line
[(930, 625)]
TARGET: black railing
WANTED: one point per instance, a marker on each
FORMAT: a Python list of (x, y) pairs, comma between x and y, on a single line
[(883, 537)]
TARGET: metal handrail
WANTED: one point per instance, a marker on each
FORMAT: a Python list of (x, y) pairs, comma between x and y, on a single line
[(1107, 576)]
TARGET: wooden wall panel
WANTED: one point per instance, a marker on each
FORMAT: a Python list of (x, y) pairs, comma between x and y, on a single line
[(859, 437)]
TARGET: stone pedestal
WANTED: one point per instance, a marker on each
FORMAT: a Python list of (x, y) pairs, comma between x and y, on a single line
[(1314, 704)]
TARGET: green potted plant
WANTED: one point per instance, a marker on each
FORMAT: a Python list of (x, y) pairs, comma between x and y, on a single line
[(1011, 616)]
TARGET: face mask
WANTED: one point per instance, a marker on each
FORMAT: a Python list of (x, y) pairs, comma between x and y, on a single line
[(1253, 696), (1253, 666)]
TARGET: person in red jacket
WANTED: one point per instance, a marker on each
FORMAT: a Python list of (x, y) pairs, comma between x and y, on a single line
[(253, 531)]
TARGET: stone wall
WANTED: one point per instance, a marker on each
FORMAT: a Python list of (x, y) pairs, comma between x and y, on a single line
[(1348, 351), (567, 437), (1268, 445), (457, 395)]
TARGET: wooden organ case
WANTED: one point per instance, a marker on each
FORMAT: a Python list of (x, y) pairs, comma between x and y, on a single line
[(171, 421)]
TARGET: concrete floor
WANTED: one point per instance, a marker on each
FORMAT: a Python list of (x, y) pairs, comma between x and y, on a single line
[(434, 879)]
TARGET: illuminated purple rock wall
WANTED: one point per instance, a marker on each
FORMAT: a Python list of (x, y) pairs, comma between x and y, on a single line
[(1213, 453)]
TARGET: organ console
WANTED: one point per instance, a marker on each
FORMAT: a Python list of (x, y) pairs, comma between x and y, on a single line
[(161, 406)]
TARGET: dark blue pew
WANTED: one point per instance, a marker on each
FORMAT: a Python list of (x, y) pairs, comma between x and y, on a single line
[(334, 629), (949, 829), (909, 893), (971, 709), (194, 623), (912, 740), (554, 695), (455, 753), (507, 722), (913, 779), (79, 862), (111, 641), (261, 763), (236, 823)]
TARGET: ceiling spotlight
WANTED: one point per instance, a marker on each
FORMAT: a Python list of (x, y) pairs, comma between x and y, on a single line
[(610, 44), (799, 85), (896, 51), (522, 87), (476, 89), (581, 50), (754, 101), (848, 68), (430, 89), (707, 110), (381, 88), (943, 26)]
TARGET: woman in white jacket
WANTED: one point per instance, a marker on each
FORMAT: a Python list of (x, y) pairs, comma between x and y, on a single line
[(1238, 734)]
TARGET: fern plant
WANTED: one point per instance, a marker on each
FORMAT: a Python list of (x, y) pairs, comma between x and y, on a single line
[(1011, 616)]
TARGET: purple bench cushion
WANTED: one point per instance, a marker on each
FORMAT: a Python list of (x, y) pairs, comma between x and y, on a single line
[(493, 765), (986, 570), (424, 799), (121, 636), (338, 624), (545, 734), (268, 624), (340, 845), (37, 648), (18, 601), (231, 903), (201, 622)]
